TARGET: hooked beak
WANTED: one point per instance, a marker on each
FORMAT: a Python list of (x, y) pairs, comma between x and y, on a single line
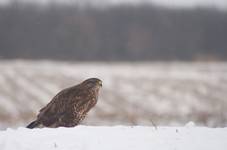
[(100, 83)]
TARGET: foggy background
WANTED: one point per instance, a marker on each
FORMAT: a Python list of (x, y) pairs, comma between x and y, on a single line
[(159, 60), (128, 31)]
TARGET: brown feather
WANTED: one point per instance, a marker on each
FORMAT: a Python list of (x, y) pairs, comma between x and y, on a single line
[(70, 106)]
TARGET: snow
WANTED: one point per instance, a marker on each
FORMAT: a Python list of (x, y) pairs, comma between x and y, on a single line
[(188, 137)]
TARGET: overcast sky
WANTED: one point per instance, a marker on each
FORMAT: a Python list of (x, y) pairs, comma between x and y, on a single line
[(190, 3), (180, 3)]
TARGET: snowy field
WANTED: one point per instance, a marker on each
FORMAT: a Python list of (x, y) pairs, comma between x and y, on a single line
[(170, 94), (115, 138)]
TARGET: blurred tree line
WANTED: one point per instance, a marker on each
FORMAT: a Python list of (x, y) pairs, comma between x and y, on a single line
[(122, 32)]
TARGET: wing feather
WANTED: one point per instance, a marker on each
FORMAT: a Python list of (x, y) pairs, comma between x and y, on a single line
[(57, 107)]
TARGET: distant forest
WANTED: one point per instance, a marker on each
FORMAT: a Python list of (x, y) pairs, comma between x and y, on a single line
[(117, 33)]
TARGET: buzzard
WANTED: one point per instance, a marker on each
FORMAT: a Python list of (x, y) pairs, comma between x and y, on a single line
[(70, 106)]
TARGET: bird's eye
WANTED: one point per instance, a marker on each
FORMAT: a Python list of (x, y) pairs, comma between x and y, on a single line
[(100, 83)]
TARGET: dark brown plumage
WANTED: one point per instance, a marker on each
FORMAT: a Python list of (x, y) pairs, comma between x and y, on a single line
[(70, 106)]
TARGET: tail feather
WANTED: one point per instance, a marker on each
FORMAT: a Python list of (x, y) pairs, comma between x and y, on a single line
[(33, 124)]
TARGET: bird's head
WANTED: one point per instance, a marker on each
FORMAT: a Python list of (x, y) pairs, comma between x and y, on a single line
[(92, 83)]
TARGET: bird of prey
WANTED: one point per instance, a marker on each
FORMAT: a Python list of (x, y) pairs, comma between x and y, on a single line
[(70, 106)]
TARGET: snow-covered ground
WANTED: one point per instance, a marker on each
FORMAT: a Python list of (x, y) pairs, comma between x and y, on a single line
[(132, 94), (115, 138)]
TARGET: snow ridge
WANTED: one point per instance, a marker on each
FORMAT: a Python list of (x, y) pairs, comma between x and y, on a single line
[(115, 138)]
